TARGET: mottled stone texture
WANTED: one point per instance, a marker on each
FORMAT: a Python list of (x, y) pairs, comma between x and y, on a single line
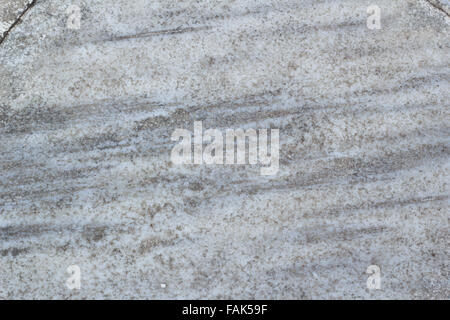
[(443, 5), (10, 13), (86, 177)]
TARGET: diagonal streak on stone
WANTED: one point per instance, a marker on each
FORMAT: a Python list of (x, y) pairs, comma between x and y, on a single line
[(7, 25)]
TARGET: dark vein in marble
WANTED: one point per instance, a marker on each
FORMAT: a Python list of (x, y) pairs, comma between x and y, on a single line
[(18, 20)]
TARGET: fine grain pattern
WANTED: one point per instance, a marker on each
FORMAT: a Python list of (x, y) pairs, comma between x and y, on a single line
[(86, 177), (11, 12)]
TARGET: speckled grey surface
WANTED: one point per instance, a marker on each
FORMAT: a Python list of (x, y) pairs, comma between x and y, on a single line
[(86, 177)]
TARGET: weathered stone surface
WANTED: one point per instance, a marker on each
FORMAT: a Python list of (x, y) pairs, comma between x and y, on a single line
[(10, 13), (86, 177), (443, 5)]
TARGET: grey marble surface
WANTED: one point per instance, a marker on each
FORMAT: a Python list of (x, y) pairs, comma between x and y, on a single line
[(86, 178)]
